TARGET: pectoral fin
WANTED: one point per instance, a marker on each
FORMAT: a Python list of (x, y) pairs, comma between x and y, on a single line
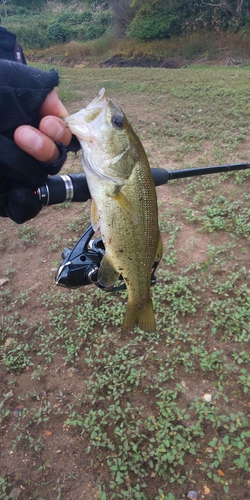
[(126, 206), (107, 274)]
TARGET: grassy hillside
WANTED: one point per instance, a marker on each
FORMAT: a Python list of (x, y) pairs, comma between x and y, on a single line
[(66, 34), (227, 48)]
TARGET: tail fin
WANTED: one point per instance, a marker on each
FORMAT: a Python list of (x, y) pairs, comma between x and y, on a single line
[(144, 317)]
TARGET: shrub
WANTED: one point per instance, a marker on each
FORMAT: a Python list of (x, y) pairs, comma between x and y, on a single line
[(79, 26), (59, 32), (104, 17), (92, 31), (155, 22), (73, 18), (30, 34)]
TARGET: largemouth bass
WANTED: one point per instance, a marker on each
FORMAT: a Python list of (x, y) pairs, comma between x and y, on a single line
[(124, 204)]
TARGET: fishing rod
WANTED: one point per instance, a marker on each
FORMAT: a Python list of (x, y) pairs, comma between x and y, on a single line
[(74, 187), (80, 264)]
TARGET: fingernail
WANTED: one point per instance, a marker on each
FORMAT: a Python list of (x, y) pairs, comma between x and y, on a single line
[(30, 138), (64, 111)]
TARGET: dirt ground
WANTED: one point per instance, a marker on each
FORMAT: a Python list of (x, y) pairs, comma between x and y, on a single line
[(42, 457), (144, 62)]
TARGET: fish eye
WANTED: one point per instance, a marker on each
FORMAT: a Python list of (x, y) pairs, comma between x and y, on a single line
[(117, 121)]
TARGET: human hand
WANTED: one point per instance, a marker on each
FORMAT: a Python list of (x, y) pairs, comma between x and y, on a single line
[(28, 152), (41, 143)]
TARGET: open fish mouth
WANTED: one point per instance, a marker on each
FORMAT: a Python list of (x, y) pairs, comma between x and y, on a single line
[(82, 122), (90, 125), (99, 100)]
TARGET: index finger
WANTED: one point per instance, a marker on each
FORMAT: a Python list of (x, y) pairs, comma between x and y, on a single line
[(53, 106)]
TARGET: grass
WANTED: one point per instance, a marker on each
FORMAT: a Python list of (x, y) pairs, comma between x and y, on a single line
[(112, 417)]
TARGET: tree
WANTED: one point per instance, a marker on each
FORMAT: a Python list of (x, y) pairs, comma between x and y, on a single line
[(149, 19), (234, 7), (5, 7), (123, 14), (29, 4)]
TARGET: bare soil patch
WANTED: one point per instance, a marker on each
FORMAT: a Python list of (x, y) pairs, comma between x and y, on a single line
[(144, 62)]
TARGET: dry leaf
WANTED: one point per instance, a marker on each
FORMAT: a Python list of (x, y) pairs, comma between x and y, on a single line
[(206, 490), (47, 433), (220, 472)]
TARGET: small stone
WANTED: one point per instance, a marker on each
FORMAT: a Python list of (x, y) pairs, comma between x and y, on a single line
[(209, 450), (72, 371), (18, 411), (193, 495), (58, 451), (208, 398), (15, 493), (3, 281)]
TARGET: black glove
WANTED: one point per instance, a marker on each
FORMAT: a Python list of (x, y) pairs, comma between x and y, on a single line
[(23, 90), (22, 203)]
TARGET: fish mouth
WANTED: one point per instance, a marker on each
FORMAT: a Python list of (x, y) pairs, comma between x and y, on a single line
[(100, 99), (83, 123), (80, 123)]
